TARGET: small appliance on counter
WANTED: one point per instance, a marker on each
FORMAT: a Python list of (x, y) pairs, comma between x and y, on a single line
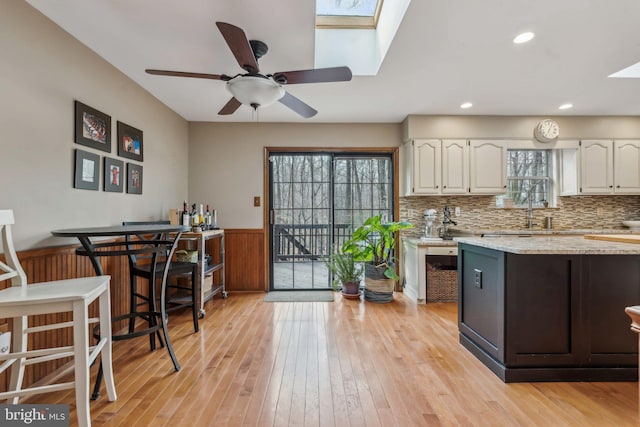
[(431, 227), (446, 235)]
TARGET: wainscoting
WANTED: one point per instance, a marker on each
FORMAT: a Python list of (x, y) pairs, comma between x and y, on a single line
[(244, 271), (245, 260)]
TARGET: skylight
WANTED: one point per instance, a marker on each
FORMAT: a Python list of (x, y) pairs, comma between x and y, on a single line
[(347, 13), (631, 72), (360, 47)]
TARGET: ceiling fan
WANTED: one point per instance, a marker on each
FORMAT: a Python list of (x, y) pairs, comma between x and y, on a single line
[(260, 90)]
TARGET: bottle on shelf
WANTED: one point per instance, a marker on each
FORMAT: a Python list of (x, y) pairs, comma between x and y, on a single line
[(214, 219), (186, 218), (207, 218), (201, 216), (194, 215)]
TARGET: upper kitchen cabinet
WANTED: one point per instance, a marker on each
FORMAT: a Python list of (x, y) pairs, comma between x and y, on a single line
[(455, 166), (626, 170), (601, 167), (424, 162), (488, 166), (436, 167), (596, 170)]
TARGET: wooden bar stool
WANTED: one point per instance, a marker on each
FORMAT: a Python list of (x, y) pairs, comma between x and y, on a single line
[(141, 267)]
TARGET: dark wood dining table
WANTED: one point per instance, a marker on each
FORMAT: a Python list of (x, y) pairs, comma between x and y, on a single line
[(94, 250), (149, 239)]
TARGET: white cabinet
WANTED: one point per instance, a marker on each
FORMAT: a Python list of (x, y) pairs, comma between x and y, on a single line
[(455, 166), (488, 166), (596, 167), (426, 163), (626, 171), (569, 161), (416, 255), (437, 167), (601, 167)]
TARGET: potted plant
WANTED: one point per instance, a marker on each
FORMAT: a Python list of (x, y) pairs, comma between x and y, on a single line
[(346, 273), (374, 244)]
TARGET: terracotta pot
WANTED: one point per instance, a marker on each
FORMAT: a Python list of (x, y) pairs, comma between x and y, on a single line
[(351, 288)]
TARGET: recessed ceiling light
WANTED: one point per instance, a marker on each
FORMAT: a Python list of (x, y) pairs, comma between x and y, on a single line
[(466, 105), (565, 106), (524, 37)]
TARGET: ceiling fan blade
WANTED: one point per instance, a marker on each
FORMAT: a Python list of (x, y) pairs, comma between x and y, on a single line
[(239, 44), (230, 107), (318, 75), (188, 74), (298, 106)]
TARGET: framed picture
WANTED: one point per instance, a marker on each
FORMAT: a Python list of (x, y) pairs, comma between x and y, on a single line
[(129, 142), (93, 128), (87, 170), (113, 175), (134, 178)]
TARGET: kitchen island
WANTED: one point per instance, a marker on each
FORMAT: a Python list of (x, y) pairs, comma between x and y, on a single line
[(549, 308)]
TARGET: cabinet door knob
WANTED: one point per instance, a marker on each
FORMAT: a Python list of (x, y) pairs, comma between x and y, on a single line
[(437, 186), (611, 186), (444, 186), (617, 186)]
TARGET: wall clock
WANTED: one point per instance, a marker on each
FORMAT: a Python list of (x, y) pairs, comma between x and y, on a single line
[(546, 131)]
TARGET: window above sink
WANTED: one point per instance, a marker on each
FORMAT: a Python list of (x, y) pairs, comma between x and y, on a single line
[(529, 175)]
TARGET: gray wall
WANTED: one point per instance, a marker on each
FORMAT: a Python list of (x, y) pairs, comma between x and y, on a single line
[(226, 159), (571, 127), (42, 71)]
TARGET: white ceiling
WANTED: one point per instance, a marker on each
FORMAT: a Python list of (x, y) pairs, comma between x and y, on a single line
[(445, 52)]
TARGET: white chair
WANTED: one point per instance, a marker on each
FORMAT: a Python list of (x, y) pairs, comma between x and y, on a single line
[(21, 300)]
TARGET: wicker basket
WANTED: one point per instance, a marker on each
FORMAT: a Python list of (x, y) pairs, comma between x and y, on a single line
[(379, 285), (442, 286), (187, 256)]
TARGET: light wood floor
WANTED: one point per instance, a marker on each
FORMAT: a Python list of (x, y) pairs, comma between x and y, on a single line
[(345, 363)]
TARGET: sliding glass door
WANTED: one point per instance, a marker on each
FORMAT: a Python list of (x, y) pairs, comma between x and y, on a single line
[(315, 201)]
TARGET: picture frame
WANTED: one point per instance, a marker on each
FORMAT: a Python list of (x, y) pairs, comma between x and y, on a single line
[(129, 142), (113, 175), (92, 127), (87, 170), (134, 178)]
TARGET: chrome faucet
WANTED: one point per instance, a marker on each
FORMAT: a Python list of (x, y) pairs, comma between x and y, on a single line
[(530, 222)]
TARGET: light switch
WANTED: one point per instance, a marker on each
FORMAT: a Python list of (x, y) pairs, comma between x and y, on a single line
[(477, 278), (256, 201)]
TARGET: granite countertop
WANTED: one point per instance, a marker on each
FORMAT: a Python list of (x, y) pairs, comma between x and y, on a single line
[(576, 245), (502, 232), (430, 242), (542, 231)]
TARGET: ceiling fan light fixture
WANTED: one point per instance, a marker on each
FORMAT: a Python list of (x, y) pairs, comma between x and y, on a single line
[(255, 91)]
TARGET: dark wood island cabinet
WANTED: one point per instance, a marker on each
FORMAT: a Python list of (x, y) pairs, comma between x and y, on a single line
[(549, 308)]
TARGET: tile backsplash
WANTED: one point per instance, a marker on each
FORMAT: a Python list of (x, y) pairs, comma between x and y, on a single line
[(480, 212)]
